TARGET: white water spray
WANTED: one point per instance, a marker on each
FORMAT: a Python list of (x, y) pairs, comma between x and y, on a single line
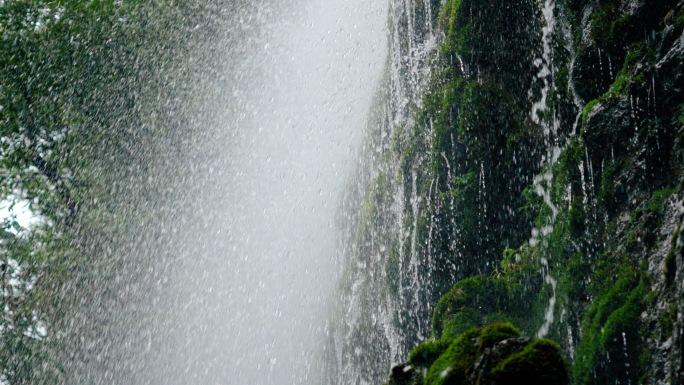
[(242, 254)]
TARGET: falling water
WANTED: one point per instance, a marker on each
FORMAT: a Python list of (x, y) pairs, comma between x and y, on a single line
[(410, 53), (544, 182), (355, 341), (240, 262)]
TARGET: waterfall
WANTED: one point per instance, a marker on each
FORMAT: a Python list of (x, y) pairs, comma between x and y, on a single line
[(385, 274), (250, 301), (229, 276), (331, 192)]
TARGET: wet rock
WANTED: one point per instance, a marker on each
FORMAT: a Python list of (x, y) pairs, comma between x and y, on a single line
[(481, 371), (402, 374)]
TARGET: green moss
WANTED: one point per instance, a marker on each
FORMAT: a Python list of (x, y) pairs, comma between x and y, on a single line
[(612, 329), (392, 269), (425, 354), (452, 361), (576, 218), (657, 202), (495, 333), (600, 25), (606, 194), (563, 76), (480, 292), (539, 363), (667, 321), (448, 13), (587, 109), (451, 366), (627, 74), (456, 27), (623, 320), (461, 322)]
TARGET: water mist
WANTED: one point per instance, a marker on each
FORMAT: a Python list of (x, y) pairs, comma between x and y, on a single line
[(240, 261)]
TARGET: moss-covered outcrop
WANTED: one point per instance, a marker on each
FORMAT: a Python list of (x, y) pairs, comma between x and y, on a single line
[(495, 354), (482, 299)]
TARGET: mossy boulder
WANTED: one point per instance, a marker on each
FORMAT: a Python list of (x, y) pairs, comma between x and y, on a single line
[(466, 302), (539, 363), (485, 299), (495, 333), (492, 355), (451, 367)]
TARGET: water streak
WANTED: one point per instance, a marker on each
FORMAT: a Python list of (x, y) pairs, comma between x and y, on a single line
[(543, 183)]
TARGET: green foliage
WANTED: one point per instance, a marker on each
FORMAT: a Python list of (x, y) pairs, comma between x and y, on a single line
[(75, 77)]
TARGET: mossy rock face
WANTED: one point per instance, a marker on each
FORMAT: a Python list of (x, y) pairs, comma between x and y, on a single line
[(612, 339), (482, 300), (465, 302), (492, 355)]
